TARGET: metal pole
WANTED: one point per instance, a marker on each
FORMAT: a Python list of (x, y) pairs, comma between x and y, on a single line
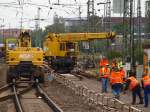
[(132, 37), (139, 28), (104, 17)]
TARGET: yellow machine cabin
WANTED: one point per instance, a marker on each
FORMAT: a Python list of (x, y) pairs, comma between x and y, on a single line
[(61, 50), (23, 52), (9, 44), (22, 58)]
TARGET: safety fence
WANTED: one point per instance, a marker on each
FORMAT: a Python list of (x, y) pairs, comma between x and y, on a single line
[(102, 102)]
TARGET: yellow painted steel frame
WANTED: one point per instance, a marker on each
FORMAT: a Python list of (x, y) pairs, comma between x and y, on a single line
[(52, 42), (23, 52)]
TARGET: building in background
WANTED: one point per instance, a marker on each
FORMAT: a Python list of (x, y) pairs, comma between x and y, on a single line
[(118, 6), (14, 32), (71, 23)]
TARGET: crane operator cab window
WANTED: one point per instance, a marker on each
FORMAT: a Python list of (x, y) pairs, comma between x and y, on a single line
[(70, 47), (65, 46), (11, 45), (62, 46)]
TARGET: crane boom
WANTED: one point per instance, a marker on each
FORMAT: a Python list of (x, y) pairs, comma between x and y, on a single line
[(82, 36)]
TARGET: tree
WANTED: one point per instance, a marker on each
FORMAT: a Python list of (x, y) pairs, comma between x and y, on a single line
[(118, 28), (57, 27), (37, 37)]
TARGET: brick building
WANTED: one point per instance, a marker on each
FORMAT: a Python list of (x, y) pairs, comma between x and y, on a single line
[(14, 32)]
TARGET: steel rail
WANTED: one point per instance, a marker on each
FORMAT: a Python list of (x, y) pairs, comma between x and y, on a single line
[(48, 100), (17, 100), (5, 87), (6, 97)]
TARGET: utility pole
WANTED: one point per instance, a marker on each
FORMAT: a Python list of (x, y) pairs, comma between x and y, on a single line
[(139, 27), (147, 16), (91, 26), (103, 16), (90, 13), (21, 18), (21, 3), (107, 21), (79, 13), (37, 27), (132, 37), (128, 42), (125, 28), (37, 24), (108, 15)]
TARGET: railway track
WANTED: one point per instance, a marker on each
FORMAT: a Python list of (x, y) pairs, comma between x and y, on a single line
[(29, 98), (102, 102), (26, 97)]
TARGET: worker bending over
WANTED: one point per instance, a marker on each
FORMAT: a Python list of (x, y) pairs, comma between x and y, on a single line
[(104, 75), (133, 84), (146, 87), (116, 82)]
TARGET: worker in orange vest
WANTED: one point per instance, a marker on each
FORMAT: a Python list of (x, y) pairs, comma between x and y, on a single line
[(104, 75), (146, 87), (122, 71), (114, 63), (133, 84), (116, 82), (103, 62)]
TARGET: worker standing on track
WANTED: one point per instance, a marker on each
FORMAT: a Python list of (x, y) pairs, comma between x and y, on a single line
[(116, 82), (146, 87), (114, 63), (104, 75), (122, 72), (103, 62), (133, 84)]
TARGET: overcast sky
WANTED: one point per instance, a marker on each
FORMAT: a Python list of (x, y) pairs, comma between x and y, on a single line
[(10, 11)]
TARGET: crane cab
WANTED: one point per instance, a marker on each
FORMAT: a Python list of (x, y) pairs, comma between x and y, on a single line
[(61, 56), (61, 50)]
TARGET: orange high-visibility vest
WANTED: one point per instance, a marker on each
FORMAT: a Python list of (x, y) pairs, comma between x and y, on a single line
[(146, 80), (122, 73), (104, 72), (116, 77), (134, 82), (103, 62)]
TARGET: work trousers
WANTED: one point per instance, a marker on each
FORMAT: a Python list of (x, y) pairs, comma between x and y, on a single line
[(116, 89), (137, 91), (146, 92), (104, 84)]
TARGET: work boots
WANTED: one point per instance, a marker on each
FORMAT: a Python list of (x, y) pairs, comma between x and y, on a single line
[(117, 97)]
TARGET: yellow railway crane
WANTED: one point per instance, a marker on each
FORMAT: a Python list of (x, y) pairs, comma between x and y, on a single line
[(61, 50), (23, 59)]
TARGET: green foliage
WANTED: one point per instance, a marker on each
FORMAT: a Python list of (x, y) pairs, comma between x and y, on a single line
[(57, 27), (37, 37), (79, 28), (114, 54), (138, 54), (119, 27), (94, 24), (1, 38)]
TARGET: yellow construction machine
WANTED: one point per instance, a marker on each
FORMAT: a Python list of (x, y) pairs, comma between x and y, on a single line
[(23, 59), (61, 50)]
